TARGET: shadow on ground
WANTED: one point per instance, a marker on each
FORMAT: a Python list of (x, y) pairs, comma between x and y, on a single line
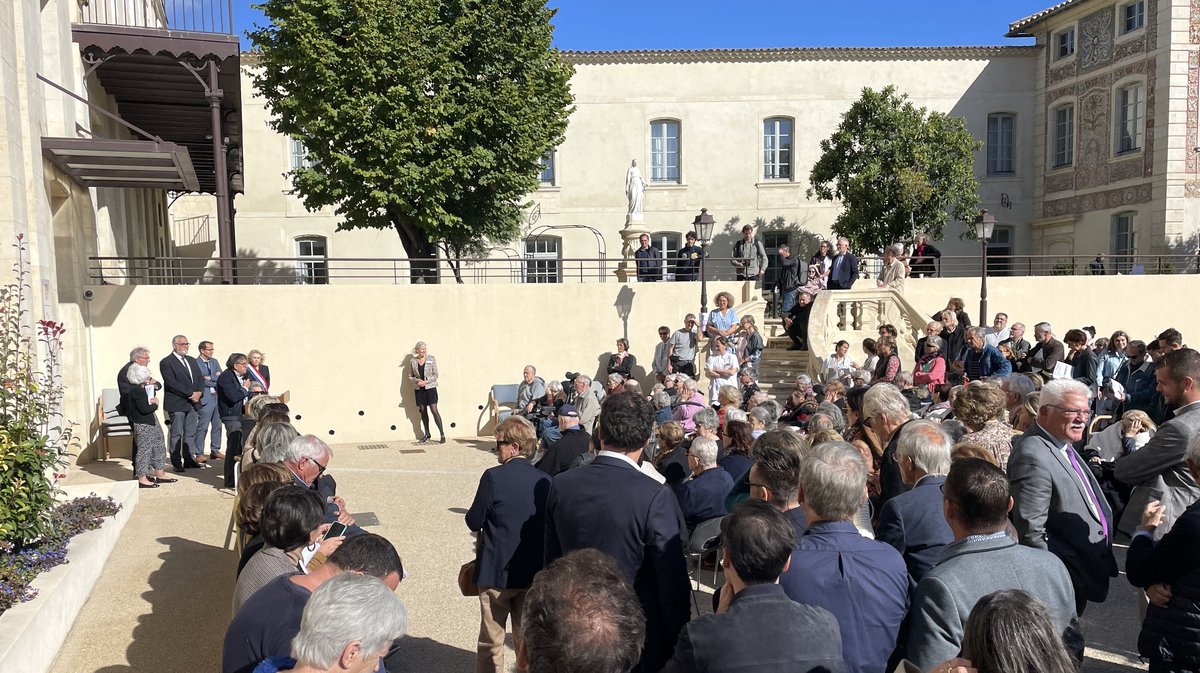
[(487, 445), (120, 469), (190, 610), (425, 655)]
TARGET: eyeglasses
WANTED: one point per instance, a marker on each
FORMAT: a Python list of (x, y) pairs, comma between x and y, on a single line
[(942, 488), (500, 443), (1071, 413), (320, 467), (663, 333), (752, 484)]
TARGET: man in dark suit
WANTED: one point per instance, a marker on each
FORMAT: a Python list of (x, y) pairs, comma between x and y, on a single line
[(1162, 463), (703, 496), (756, 626), (775, 475), (509, 513), (611, 505), (912, 522), (1057, 503), (1046, 353), (183, 385), (844, 269), (862, 582), (573, 442)]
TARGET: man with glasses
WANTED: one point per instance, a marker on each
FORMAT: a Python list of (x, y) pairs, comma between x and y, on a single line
[(661, 365), (208, 416), (307, 458), (775, 475), (183, 384), (1057, 502)]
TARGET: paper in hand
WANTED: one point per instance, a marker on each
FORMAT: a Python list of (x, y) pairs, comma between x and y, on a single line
[(1062, 370)]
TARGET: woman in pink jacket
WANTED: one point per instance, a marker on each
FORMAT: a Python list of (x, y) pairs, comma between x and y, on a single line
[(931, 367)]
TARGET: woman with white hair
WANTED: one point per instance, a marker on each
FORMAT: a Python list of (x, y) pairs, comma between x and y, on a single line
[(885, 410), (423, 372), (141, 404)]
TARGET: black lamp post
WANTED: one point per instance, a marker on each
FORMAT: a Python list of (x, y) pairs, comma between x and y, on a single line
[(984, 224), (703, 224)]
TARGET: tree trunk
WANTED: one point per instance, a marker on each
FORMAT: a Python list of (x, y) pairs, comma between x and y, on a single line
[(422, 253)]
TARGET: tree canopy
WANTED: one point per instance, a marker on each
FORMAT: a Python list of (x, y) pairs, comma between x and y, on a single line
[(428, 117), (897, 170)]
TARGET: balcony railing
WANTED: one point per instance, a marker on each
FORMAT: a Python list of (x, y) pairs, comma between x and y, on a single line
[(198, 16), (191, 230), (966, 266)]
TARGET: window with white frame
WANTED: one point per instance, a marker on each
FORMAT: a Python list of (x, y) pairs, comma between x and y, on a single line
[(1133, 16), (664, 150), (777, 148), (1064, 44), (1000, 251), (1000, 143), (1131, 112), (542, 255), (1064, 135), (1124, 245), (312, 263), (299, 155), (546, 175)]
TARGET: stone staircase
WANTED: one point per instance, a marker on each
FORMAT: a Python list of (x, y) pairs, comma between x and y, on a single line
[(779, 366)]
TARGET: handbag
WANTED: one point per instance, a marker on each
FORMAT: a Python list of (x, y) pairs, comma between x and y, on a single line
[(466, 579)]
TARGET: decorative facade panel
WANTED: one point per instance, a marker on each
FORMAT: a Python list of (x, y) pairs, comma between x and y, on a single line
[(1193, 97), (1063, 72), (1084, 203), (1096, 40)]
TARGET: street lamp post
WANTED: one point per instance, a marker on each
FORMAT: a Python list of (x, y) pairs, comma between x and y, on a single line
[(703, 224), (984, 224)]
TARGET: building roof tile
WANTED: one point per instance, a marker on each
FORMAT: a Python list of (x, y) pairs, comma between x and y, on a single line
[(1020, 27)]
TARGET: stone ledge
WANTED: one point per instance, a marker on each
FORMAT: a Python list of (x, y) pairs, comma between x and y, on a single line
[(32, 633)]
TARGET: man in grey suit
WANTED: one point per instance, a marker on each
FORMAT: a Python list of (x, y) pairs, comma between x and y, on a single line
[(1161, 465), (982, 559), (1057, 503)]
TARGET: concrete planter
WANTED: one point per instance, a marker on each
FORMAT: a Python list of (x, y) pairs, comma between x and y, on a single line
[(31, 633)]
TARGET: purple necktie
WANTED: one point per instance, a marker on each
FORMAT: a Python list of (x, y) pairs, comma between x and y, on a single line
[(1091, 494)]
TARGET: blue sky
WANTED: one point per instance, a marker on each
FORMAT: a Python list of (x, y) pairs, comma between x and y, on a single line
[(705, 24)]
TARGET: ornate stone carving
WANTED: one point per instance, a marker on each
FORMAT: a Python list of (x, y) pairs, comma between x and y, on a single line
[(1112, 198), (1125, 170), (1130, 48), (1151, 25), (1059, 93), (1064, 72), (1193, 97), (1191, 189), (1060, 182), (1096, 40), (1194, 21)]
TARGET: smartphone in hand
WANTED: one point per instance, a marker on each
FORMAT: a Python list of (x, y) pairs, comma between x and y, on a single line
[(336, 529)]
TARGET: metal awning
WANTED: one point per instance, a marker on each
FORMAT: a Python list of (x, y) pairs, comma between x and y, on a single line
[(132, 164)]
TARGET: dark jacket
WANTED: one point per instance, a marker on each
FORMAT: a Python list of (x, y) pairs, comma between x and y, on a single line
[(703, 496), (914, 524), (1084, 365), (649, 264), (843, 272), (566, 452), (763, 630), (624, 368), (177, 387), (1043, 356), (921, 259), (789, 273), (137, 408), (612, 506), (509, 512), (231, 396), (1170, 635)]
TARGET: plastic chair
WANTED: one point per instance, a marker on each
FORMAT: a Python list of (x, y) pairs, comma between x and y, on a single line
[(705, 538)]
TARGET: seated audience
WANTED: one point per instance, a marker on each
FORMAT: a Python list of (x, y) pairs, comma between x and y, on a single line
[(904, 381), (671, 459), (939, 407), (292, 519), (308, 459), (349, 624), (662, 405), (864, 583), (888, 411), (759, 419), (747, 379), (1011, 631), (508, 512), (982, 559), (587, 403), (982, 408), (702, 497), (1016, 387), (268, 441), (912, 522), (253, 489), (888, 365), (756, 626), (581, 616), (690, 402), (931, 365), (1027, 414), (738, 443), (572, 444), (775, 475), (980, 360), (270, 619)]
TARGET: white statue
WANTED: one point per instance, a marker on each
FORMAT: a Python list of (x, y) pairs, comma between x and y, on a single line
[(635, 188)]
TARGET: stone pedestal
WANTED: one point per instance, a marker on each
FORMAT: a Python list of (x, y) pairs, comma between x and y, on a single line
[(635, 226)]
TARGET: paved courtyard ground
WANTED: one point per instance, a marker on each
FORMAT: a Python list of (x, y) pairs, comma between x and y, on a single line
[(163, 601)]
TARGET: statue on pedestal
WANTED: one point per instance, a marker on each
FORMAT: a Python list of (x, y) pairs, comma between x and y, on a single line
[(635, 191)]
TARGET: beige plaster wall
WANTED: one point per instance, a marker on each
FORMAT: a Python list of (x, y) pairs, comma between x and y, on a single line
[(339, 350)]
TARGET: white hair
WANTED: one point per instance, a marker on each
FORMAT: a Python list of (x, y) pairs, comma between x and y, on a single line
[(691, 386), (904, 379), (833, 477), (1043, 327), (927, 445), (304, 446), (884, 399), (706, 418), (705, 451), (735, 415), (137, 374), (1056, 391), (587, 380), (614, 379), (348, 607), (761, 415), (896, 249), (137, 352)]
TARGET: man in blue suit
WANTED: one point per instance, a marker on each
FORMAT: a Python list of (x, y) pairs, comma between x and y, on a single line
[(862, 582), (843, 271), (912, 522), (509, 514), (612, 506), (703, 496)]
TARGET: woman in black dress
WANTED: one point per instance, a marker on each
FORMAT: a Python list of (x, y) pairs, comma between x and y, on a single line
[(423, 372), (622, 361)]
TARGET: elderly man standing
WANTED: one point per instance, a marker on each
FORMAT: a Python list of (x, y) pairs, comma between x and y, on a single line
[(530, 391), (587, 403), (982, 559), (1016, 341), (1047, 353), (509, 513), (660, 366), (1161, 465), (862, 582), (1057, 503), (703, 496), (843, 271), (611, 505), (183, 386), (683, 347), (979, 360), (912, 522)]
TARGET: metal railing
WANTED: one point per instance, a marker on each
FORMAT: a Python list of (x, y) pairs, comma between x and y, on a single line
[(191, 230), (199, 16), (322, 270), (968, 266)]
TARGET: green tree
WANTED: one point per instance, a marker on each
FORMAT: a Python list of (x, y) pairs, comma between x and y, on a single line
[(897, 170), (428, 117)]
